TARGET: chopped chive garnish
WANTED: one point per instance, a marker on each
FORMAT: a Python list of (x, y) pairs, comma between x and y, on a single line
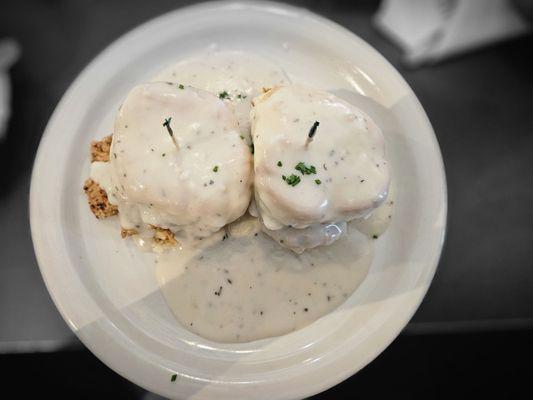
[(173, 378), (292, 180), (375, 236), (215, 168), (283, 177), (181, 86), (223, 95), (280, 164), (318, 181), (242, 137), (304, 169)]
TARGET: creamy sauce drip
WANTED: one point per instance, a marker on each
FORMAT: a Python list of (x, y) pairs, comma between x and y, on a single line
[(375, 224)]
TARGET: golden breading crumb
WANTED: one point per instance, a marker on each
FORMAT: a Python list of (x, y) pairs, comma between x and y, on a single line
[(267, 92), (100, 149), (163, 236), (98, 201), (127, 232)]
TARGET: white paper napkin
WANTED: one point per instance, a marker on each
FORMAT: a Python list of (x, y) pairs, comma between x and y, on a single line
[(431, 30)]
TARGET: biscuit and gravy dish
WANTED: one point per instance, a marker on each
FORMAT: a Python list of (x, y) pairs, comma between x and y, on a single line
[(260, 198)]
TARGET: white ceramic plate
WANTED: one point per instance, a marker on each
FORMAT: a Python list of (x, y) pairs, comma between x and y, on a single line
[(106, 290)]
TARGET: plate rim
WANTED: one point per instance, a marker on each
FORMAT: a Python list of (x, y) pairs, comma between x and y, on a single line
[(270, 7)]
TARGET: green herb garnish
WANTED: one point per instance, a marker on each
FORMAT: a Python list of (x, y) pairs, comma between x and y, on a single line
[(304, 169), (292, 180), (318, 181), (181, 86), (173, 378), (280, 164), (215, 168), (375, 236), (223, 95)]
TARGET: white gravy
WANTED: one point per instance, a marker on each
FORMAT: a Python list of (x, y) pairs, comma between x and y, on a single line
[(238, 284), (248, 288), (235, 76), (337, 175)]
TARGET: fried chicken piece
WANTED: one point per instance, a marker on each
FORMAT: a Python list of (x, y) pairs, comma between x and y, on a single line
[(163, 236), (100, 149), (124, 233), (98, 201)]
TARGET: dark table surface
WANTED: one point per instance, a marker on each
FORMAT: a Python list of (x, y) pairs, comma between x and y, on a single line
[(479, 104)]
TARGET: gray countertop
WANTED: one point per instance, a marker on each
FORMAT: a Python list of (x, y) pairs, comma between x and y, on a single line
[(480, 106)]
